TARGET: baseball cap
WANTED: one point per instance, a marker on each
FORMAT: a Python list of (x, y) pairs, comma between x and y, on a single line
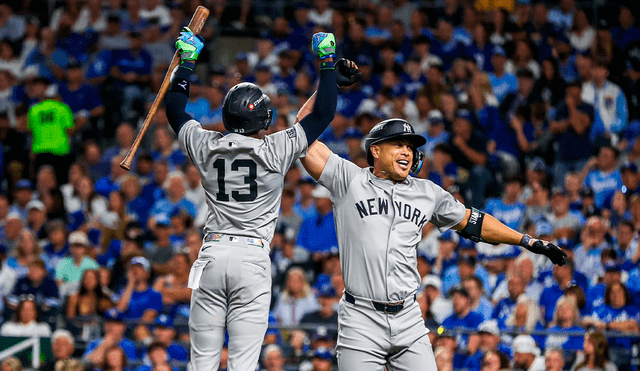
[(398, 91), (326, 290), (524, 72), (321, 192), (498, 50), (162, 220), (323, 353), (321, 333), (242, 57), (460, 290), (466, 259), (263, 67), (449, 235), (612, 266), (629, 166), (78, 238), (13, 215), (489, 326), (432, 280), (302, 5), (306, 180), (217, 69), (36, 204), (558, 191), (140, 260), (24, 184), (113, 315), (423, 255), (435, 116), (525, 344), (586, 192), (543, 228), (364, 60), (164, 320), (537, 164), (465, 114)]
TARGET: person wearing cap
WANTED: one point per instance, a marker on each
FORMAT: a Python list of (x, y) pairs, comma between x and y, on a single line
[(478, 300), (445, 45), (317, 233), (603, 176), (84, 100), (469, 151), (440, 307), (566, 223), (489, 342), (138, 301), (322, 360), (447, 255), (70, 269), (131, 69), (436, 133), (627, 32), (508, 209), (114, 329), (165, 334), (610, 103), (630, 178), (612, 274), (37, 218), (526, 354), (327, 314), (23, 193), (502, 81)]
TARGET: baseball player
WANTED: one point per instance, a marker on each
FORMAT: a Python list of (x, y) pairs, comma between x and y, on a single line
[(243, 177), (379, 214)]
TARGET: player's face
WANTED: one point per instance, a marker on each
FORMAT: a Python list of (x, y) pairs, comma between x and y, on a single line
[(392, 159)]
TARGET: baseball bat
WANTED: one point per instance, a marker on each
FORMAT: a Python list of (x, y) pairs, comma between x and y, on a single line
[(196, 24)]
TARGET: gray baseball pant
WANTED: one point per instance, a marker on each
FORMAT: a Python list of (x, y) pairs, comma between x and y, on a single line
[(234, 293), (372, 340)]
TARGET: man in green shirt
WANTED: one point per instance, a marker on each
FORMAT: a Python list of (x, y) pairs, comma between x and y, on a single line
[(51, 124), (70, 269)]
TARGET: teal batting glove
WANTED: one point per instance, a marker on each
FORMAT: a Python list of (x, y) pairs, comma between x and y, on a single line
[(324, 44), (189, 45)]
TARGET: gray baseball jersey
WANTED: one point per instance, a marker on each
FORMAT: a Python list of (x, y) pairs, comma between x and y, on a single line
[(243, 177), (379, 225)]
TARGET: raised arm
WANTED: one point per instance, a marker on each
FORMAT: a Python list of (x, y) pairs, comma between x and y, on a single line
[(189, 47)]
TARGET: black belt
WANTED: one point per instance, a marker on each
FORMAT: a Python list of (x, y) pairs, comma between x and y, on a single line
[(392, 308)]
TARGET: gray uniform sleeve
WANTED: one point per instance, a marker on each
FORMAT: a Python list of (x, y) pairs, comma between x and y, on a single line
[(448, 211), (283, 148), (193, 139), (337, 175)]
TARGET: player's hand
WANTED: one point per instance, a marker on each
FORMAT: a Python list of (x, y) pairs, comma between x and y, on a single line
[(189, 45), (324, 44), (347, 73), (548, 249)]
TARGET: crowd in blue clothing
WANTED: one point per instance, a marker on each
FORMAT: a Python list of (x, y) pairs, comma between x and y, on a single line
[(531, 112)]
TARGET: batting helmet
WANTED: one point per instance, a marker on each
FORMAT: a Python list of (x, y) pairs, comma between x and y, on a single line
[(396, 128), (245, 109)]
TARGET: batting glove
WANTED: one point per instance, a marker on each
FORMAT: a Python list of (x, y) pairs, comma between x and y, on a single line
[(347, 73), (324, 44), (551, 251), (189, 45)]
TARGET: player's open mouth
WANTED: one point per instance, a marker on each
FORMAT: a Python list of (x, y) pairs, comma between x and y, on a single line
[(404, 164)]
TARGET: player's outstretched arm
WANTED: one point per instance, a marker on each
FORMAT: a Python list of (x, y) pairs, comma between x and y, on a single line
[(189, 47), (478, 226)]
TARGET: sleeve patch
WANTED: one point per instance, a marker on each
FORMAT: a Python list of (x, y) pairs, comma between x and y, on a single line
[(291, 133)]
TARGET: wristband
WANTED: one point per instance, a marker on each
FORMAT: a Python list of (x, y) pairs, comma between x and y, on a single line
[(327, 65), (524, 242)]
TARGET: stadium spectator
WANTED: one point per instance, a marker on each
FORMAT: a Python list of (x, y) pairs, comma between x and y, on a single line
[(114, 330), (317, 233), (7, 277), (295, 300), (173, 286), (587, 254), (627, 32), (554, 359), (582, 34), (565, 223), (174, 198), (39, 285), (84, 100), (62, 347), (155, 357), (462, 315), (478, 300), (440, 307), (612, 274), (566, 318), (508, 209), (90, 298), (272, 359), (23, 193), (115, 359), (165, 334), (595, 354), (489, 343), (11, 364), (526, 355), (26, 251), (505, 307), (139, 301), (13, 225), (26, 321), (71, 269)]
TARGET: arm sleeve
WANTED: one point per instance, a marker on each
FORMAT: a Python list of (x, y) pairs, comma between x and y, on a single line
[(337, 176), (448, 211), (324, 108), (176, 99)]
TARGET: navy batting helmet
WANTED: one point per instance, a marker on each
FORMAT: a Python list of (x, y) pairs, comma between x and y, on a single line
[(396, 128), (245, 109)]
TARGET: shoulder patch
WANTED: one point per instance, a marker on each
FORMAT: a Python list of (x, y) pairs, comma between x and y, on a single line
[(291, 133)]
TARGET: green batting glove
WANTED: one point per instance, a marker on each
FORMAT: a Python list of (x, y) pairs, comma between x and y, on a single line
[(189, 45), (324, 44)]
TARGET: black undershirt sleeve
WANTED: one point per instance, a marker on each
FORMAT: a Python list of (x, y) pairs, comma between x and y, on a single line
[(324, 108), (176, 98)]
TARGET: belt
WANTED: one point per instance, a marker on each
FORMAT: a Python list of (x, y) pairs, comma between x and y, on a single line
[(390, 308), (229, 238)]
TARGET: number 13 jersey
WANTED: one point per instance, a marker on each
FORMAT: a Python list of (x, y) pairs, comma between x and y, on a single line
[(243, 177)]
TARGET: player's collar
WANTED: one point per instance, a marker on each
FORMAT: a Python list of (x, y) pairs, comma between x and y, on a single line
[(386, 184)]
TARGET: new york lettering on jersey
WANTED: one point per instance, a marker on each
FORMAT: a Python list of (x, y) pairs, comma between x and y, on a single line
[(380, 206)]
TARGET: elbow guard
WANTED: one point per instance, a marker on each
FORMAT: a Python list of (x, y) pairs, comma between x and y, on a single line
[(473, 229)]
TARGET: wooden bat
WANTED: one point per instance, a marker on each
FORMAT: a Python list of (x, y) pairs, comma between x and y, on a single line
[(196, 24)]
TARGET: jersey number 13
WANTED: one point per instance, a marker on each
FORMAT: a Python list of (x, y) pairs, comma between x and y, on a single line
[(250, 180)]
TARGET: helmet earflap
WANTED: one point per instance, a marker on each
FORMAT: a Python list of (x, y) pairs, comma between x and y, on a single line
[(418, 161)]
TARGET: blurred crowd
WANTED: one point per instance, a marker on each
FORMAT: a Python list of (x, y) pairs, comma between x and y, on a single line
[(531, 111)]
